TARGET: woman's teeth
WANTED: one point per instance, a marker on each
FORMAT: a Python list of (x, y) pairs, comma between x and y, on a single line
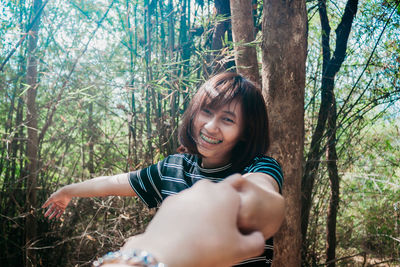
[(210, 139)]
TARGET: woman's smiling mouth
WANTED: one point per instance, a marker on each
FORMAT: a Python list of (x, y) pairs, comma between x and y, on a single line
[(209, 139)]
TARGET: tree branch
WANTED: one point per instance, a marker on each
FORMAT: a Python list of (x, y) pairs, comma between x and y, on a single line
[(342, 36), (22, 39), (325, 35), (368, 62)]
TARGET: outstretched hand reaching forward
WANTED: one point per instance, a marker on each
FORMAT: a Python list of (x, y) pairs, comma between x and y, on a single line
[(56, 204)]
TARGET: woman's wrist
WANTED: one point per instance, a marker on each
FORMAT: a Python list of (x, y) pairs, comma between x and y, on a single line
[(78, 190), (130, 257), (66, 190), (138, 251), (147, 243)]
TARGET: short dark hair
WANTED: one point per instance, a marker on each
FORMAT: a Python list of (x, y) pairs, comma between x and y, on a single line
[(223, 89)]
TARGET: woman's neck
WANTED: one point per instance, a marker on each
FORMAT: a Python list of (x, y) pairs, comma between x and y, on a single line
[(211, 164)]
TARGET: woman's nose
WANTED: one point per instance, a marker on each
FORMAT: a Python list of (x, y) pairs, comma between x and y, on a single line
[(211, 125)]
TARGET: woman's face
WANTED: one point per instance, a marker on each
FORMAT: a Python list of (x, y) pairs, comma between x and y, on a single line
[(216, 132)]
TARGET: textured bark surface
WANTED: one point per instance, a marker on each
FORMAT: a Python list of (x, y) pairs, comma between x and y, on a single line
[(222, 8), (243, 35), (219, 64), (284, 48), (33, 139), (334, 180)]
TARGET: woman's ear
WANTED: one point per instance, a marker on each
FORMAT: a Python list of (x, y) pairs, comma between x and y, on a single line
[(244, 135), (181, 149)]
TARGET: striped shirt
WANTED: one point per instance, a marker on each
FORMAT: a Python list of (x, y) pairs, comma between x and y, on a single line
[(180, 171)]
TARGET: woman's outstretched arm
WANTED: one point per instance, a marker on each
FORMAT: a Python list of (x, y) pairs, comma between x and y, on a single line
[(117, 185)]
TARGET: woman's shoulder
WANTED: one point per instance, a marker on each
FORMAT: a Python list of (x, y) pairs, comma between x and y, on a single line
[(181, 159), (263, 159), (267, 165)]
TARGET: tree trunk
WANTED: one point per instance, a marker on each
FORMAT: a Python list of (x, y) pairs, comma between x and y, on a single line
[(330, 67), (132, 148), (243, 35), (33, 139), (185, 46), (174, 107), (147, 35), (91, 139), (219, 63), (334, 182), (284, 49)]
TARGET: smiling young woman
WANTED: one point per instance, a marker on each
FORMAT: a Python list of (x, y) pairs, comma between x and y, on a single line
[(224, 131), (230, 92)]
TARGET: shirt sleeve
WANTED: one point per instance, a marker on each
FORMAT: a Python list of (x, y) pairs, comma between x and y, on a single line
[(268, 166), (147, 184)]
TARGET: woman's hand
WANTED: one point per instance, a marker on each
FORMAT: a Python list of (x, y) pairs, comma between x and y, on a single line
[(117, 185), (262, 207), (57, 203), (198, 227)]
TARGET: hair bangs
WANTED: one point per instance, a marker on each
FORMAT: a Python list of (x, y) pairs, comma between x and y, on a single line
[(221, 92), (218, 91)]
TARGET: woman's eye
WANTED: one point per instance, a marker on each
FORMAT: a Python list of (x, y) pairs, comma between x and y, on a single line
[(206, 111), (229, 120)]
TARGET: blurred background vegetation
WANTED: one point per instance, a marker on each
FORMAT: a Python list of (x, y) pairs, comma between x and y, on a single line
[(115, 76)]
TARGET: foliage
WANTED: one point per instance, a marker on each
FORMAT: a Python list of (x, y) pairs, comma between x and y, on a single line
[(115, 85), (372, 188), (366, 91), (112, 87)]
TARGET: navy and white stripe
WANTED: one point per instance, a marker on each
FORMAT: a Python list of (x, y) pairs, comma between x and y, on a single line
[(178, 172), (266, 165)]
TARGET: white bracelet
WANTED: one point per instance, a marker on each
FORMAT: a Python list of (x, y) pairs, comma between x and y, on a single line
[(133, 257)]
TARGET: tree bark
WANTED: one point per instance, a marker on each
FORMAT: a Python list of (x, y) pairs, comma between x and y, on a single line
[(91, 139), (331, 66), (132, 153), (149, 74), (185, 45), (243, 34), (33, 138), (334, 183), (222, 8), (174, 107), (284, 49)]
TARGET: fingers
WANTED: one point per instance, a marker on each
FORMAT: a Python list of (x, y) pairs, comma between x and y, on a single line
[(56, 214), (236, 181), (250, 245), (46, 204), (54, 211), (49, 211)]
